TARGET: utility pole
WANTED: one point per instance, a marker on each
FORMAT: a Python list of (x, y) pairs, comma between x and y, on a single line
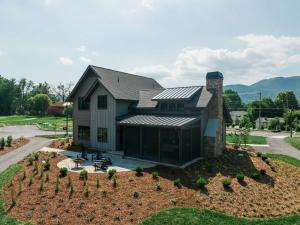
[(259, 112)]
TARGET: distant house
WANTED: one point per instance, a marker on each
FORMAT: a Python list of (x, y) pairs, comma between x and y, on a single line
[(137, 117), (56, 109), (237, 115), (265, 122)]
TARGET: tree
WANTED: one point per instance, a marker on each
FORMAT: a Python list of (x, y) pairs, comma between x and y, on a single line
[(39, 104), (287, 100), (62, 91), (245, 122), (233, 100)]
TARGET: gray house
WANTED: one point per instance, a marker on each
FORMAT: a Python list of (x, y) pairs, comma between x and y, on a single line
[(137, 117)]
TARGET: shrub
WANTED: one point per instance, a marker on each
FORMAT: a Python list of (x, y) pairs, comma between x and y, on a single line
[(97, 181), (41, 185), (23, 175), (71, 191), (264, 157), (35, 156), (155, 175), (177, 182), (30, 182), (138, 171), (53, 154), (30, 160), (83, 175), (9, 141), (240, 177), (136, 194), (158, 187), (114, 182), (254, 174), (35, 168), (202, 182), (262, 172), (86, 191), (47, 177), (63, 172), (268, 161), (69, 183), (57, 185), (258, 154), (47, 165), (226, 182), (111, 173), (2, 143)]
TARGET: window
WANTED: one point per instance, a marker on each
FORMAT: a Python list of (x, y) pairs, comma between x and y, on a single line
[(102, 135), (164, 107), (102, 102), (84, 132), (83, 104), (172, 107), (180, 107)]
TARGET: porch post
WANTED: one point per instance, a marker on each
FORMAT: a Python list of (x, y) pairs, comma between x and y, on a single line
[(141, 141), (159, 144), (180, 144), (123, 139)]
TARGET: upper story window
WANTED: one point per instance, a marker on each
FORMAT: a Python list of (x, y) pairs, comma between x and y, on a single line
[(83, 104), (164, 107), (102, 102), (172, 107), (180, 107)]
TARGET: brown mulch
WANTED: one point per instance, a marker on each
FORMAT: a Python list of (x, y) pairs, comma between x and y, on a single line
[(273, 194), (16, 143)]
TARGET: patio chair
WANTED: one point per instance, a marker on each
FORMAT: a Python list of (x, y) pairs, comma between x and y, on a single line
[(100, 165)]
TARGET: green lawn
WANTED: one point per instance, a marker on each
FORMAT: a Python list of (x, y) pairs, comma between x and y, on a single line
[(190, 216), (295, 142), (252, 139), (5, 177), (46, 123), (52, 136)]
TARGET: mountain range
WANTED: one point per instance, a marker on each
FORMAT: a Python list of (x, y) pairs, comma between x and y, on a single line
[(269, 88)]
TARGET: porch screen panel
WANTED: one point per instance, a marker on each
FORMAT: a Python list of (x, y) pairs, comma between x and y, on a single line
[(169, 146), (150, 143), (196, 140), (186, 145), (132, 138)]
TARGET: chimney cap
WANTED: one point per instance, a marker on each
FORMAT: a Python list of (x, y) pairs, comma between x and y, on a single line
[(214, 75)]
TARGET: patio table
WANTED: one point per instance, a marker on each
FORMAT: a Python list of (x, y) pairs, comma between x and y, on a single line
[(78, 161)]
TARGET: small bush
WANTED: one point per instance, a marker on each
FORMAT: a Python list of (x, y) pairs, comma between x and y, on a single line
[(47, 165), (111, 173), (268, 161), (30, 160), (53, 154), (69, 183), (47, 177), (226, 182), (9, 141), (63, 172), (86, 191), (158, 187), (255, 174), (138, 171), (264, 157), (155, 175), (2, 143), (35, 168), (136, 194), (56, 190), (30, 182), (240, 177), (258, 154), (35, 156), (262, 172), (177, 182), (201, 182), (41, 185), (83, 175), (23, 177), (273, 169)]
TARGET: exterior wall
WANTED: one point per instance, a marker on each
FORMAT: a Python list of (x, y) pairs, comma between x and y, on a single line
[(104, 118), (122, 107), (81, 117)]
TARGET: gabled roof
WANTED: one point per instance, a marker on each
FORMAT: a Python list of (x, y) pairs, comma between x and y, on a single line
[(177, 93), (123, 86)]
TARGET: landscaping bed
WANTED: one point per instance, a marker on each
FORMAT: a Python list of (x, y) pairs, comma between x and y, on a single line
[(16, 143), (129, 199)]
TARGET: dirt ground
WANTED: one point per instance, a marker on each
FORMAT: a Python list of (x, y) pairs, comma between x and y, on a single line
[(16, 143), (136, 197)]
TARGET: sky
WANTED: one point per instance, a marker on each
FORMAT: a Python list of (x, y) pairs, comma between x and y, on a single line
[(174, 41)]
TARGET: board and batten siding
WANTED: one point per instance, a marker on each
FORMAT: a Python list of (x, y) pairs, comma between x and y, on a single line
[(81, 117), (103, 118)]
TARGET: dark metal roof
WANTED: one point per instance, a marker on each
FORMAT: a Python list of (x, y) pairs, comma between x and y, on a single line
[(177, 93), (159, 120)]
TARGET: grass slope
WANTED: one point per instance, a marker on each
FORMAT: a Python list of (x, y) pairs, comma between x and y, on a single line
[(5, 177), (252, 139), (46, 123), (190, 216), (295, 142)]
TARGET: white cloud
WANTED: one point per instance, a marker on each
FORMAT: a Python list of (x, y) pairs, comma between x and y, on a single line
[(65, 61), (84, 60), (148, 4), (82, 48), (262, 56)]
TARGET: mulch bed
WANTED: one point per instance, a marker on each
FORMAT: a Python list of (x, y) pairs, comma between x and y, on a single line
[(273, 194), (16, 143)]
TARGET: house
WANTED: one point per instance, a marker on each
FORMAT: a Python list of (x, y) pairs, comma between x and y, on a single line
[(137, 117), (56, 109), (265, 122), (237, 115)]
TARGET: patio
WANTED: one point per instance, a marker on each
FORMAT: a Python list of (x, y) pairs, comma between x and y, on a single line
[(118, 163)]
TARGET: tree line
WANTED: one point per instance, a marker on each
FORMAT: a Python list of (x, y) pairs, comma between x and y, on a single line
[(24, 97)]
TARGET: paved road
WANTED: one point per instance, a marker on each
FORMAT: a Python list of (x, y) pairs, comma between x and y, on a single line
[(9, 158), (26, 131)]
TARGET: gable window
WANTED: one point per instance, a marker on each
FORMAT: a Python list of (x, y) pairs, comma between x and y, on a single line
[(83, 132), (83, 104), (102, 102), (102, 135), (164, 107), (180, 107), (172, 107)]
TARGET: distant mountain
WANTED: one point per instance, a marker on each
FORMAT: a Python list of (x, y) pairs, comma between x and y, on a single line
[(268, 87)]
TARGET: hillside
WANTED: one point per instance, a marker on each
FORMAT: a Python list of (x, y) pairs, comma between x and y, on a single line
[(268, 87)]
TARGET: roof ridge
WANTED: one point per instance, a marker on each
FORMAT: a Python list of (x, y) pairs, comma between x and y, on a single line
[(186, 87), (123, 72)]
